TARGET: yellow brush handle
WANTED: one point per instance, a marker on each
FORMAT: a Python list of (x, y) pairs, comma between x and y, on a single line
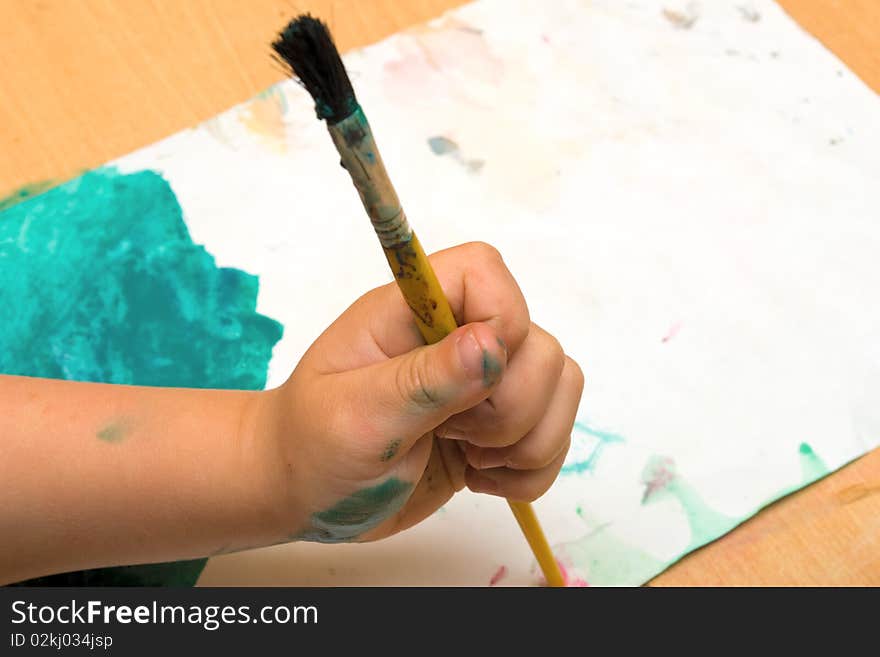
[(528, 522), (423, 294), (416, 278)]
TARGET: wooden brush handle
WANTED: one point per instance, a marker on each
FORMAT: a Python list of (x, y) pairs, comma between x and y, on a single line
[(415, 277)]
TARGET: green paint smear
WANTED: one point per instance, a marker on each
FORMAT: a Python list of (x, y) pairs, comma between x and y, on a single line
[(112, 433), (705, 523), (100, 281), (492, 369), (391, 450), (812, 467), (358, 513), (441, 145), (589, 464), (603, 559)]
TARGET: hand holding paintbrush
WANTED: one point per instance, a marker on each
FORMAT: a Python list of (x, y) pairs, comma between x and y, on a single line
[(518, 453)]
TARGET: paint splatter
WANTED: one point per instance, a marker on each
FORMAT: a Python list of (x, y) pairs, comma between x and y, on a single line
[(672, 332), (500, 574), (570, 579), (706, 524), (444, 146), (683, 19), (657, 475), (603, 559), (358, 513), (749, 13), (576, 465), (108, 286), (812, 467), (264, 116), (433, 58)]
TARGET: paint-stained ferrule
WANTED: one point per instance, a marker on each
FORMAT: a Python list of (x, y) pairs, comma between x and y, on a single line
[(414, 275), (360, 157)]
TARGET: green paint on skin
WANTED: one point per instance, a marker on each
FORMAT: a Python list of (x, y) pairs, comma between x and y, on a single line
[(358, 513), (492, 369), (390, 451), (705, 523), (115, 432), (107, 285), (812, 467)]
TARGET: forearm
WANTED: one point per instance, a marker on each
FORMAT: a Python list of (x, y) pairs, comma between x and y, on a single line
[(96, 475)]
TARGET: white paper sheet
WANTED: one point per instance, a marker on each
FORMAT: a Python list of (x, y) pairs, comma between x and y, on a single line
[(688, 194)]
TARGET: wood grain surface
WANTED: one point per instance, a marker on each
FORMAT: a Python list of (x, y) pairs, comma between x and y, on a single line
[(86, 81)]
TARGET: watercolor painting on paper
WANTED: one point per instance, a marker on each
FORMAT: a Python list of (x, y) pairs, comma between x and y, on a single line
[(687, 193)]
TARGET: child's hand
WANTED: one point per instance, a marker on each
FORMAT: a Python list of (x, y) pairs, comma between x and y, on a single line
[(372, 433), (376, 431)]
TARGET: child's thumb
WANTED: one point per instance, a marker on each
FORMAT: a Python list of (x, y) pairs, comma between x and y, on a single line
[(412, 394)]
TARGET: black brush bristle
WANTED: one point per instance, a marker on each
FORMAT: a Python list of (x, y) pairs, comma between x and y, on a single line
[(306, 46)]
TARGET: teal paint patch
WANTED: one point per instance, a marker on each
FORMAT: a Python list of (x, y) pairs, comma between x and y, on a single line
[(588, 464), (100, 281), (812, 467), (705, 523), (358, 513), (603, 559), (442, 145)]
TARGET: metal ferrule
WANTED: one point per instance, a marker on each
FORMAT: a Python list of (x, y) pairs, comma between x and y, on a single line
[(360, 157)]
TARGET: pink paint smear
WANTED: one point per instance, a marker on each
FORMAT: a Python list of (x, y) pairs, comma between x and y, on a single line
[(572, 581), (498, 576), (672, 332)]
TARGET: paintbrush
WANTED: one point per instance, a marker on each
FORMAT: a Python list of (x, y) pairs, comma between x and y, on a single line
[(306, 47)]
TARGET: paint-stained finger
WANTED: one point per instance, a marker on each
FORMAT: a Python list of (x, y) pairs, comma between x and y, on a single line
[(380, 325), (520, 401), (547, 439)]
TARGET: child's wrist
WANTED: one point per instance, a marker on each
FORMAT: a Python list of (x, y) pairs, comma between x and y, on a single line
[(267, 466)]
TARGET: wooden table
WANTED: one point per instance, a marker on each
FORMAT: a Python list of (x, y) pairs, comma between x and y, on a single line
[(82, 82)]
